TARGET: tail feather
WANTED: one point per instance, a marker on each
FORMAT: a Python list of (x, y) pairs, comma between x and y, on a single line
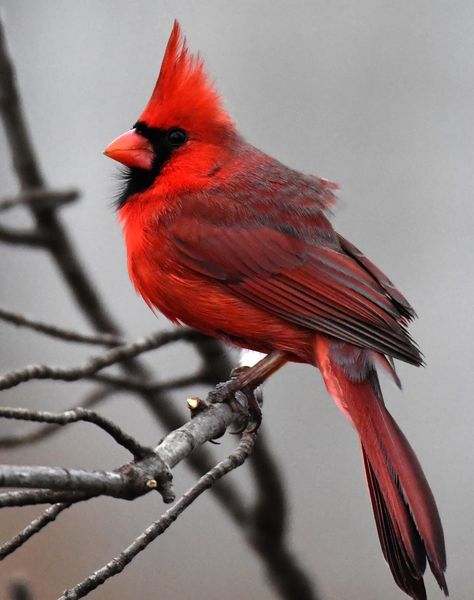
[(420, 499), (405, 575), (407, 520)]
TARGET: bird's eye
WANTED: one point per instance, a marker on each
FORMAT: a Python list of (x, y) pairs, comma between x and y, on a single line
[(177, 137), (140, 127)]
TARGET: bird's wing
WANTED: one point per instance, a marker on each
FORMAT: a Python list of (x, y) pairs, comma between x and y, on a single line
[(296, 267)]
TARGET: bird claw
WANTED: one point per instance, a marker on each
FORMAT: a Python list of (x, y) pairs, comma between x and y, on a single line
[(245, 402), (240, 405), (223, 392)]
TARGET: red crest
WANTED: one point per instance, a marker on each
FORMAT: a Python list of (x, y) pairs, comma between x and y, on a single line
[(183, 95)]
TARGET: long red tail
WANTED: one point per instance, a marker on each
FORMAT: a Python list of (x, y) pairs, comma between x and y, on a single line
[(406, 516)]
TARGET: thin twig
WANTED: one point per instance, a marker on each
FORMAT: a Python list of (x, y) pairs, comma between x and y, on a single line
[(104, 339), (48, 516), (117, 564), (30, 178), (17, 439), (135, 385), (23, 237), (41, 198), (97, 362), (75, 415)]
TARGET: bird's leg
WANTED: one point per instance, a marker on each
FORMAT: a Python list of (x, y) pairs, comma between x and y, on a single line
[(261, 371), (240, 389), (248, 403)]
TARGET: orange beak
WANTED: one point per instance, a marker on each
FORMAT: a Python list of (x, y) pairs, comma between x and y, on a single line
[(132, 150)]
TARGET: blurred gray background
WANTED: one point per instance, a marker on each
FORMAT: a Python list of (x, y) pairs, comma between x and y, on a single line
[(375, 95)]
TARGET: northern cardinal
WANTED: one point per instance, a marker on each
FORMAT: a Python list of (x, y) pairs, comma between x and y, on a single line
[(228, 240)]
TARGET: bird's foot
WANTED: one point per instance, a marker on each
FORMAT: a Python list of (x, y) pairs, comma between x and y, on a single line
[(249, 411), (245, 401)]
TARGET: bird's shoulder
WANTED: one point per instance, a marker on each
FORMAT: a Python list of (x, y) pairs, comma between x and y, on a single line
[(252, 190)]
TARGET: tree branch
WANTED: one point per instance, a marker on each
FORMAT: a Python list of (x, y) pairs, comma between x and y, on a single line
[(32, 497), (97, 362), (128, 482), (135, 385), (48, 516), (100, 339), (74, 415), (30, 177), (117, 564), (18, 439), (149, 472), (269, 527), (41, 198), (23, 237)]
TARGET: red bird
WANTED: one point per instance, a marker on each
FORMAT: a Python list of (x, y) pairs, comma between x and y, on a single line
[(228, 240)]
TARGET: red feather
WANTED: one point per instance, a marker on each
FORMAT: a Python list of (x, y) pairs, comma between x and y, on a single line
[(183, 93), (405, 511), (226, 239)]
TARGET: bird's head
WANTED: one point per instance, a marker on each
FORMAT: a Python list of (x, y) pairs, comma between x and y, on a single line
[(183, 130)]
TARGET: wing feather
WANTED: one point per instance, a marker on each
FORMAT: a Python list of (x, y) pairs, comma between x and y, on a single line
[(306, 275)]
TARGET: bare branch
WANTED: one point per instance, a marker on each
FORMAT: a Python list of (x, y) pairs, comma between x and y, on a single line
[(176, 446), (17, 439), (97, 362), (268, 525), (23, 237), (48, 516), (207, 426), (135, 385), (269, 516), (32, 497), (108, 483), (30, 177), (117, 564), (104, 339), (135, 479), (216, 362), (40, 198), (74, 415), (15, 125)]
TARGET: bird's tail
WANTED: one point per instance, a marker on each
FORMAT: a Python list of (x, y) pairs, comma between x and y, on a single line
[(408, 523)]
